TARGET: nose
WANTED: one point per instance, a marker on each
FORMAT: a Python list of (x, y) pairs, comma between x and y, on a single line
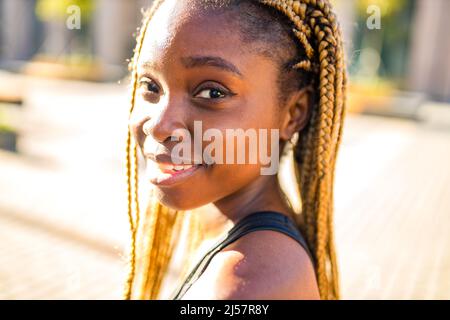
[(163, 124)]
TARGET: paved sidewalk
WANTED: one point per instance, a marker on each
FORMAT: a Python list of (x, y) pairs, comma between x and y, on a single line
[(393, 210), (63, 227), (42, 262)]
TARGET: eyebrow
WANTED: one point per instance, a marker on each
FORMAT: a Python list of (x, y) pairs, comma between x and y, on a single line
[(200, 61), (148, 65)]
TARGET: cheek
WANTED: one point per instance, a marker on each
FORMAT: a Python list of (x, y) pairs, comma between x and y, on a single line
[(136, 124), (253, 134), (245, 131), (141, 118)]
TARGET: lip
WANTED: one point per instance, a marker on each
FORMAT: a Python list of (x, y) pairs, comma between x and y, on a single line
[(165, 158), (159, 175), (160, 178)]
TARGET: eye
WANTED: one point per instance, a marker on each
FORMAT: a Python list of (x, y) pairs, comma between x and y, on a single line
[(148, 85), (211, 93)]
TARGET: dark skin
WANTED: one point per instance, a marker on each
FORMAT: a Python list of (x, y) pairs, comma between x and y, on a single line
[(225, 84)]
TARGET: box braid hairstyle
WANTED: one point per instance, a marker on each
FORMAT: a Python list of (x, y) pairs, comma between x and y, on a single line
[(319, 62)]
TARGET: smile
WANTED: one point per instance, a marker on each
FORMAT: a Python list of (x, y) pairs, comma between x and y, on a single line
[(173, 168), (166, 174)]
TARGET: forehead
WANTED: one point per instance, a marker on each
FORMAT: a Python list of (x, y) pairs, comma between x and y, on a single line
[(178, 30)]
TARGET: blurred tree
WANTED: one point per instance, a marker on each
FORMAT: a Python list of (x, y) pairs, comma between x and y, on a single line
[(383, 52), (59, 40), (47, 10), (387, 7)]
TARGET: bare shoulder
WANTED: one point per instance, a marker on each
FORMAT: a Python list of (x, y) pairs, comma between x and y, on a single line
[(260, 265)]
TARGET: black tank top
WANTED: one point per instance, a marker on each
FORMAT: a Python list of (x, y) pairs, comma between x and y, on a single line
[(261, 220)]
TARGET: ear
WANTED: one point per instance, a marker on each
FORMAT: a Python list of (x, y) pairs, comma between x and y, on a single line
[(298, 108)]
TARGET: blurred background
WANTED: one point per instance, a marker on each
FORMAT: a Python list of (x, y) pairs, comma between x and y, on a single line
[(63, 111)]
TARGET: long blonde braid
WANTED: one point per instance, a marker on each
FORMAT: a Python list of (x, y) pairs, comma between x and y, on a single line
[(316, 150), (315, 154), (131, 160)]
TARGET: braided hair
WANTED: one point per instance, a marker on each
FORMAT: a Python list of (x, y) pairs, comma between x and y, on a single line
[(316, 32)]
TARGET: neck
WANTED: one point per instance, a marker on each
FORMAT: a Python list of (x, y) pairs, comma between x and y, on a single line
[(263, 194)]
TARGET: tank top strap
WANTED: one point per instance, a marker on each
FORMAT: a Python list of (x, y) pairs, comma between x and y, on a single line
[(267, 220), (261, 220)]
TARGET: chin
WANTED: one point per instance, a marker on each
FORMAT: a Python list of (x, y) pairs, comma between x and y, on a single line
[(177, 201)]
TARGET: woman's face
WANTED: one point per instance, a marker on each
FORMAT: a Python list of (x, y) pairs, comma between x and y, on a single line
[(194, 67)]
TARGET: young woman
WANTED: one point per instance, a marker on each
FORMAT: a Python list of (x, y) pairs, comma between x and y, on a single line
[(236, 64)]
